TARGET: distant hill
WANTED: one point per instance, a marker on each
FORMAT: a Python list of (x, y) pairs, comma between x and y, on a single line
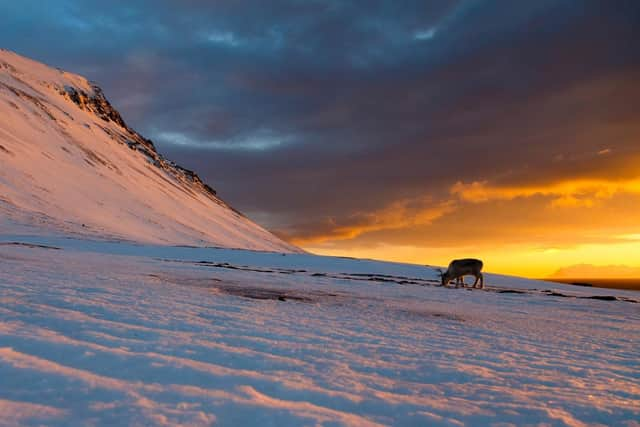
[(631, 284)]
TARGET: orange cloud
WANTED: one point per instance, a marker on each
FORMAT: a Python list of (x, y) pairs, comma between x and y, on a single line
[(572, 193), (452, 220), (520, 235), (404, 213)]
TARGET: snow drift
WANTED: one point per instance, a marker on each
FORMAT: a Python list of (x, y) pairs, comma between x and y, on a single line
[(70, 164)]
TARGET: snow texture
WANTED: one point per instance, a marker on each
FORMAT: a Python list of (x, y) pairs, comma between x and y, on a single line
[(104, 333)]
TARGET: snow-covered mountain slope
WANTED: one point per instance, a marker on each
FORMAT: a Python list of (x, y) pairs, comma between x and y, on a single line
[(70, 164), (122, 334)]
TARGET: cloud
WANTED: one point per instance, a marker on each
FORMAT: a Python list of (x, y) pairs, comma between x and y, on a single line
[(631, 236), (262, 140), (399, 214), (529, 223), (226, 38), (425, 34), (579, 192)]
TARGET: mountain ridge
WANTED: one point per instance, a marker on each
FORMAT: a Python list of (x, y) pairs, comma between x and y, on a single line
[(86, 138)]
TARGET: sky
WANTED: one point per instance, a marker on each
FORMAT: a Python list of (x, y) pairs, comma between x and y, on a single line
[(416, 131)]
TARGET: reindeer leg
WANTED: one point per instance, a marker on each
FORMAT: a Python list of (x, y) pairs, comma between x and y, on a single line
[(481, 281), (476, 282)]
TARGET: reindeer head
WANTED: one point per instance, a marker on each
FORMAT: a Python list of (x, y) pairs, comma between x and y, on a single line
[(444, 277)]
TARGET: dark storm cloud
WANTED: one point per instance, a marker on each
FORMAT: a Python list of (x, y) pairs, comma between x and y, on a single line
[(311, 114)]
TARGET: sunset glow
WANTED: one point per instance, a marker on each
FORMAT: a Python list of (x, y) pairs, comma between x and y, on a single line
[(320, 212), (587, 225), (586, 260), (420, 133)]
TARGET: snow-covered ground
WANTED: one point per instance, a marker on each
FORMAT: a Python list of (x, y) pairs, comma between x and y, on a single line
[(108, 333)]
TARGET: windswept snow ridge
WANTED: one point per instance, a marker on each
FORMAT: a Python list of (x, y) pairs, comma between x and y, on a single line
[(70, 164)]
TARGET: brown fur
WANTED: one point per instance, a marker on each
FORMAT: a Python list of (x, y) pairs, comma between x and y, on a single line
[(458, 268)]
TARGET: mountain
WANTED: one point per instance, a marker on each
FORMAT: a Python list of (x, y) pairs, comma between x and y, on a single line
[(70, 164)]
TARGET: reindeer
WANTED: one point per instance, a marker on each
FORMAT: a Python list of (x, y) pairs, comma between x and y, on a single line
[(458, 268)]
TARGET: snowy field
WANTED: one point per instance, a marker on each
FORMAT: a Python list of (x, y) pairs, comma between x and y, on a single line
[(104, 333)]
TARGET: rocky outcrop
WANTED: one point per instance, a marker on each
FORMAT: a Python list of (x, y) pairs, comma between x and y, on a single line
[(98, 104), (95, 102)]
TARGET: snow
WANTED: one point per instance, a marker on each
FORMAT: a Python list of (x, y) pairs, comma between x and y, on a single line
[(109, 332), (66, 170)]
